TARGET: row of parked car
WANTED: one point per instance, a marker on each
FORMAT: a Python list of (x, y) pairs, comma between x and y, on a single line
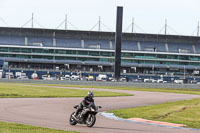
[(177, 81), (100, 77), (18, 75), (22, 75)]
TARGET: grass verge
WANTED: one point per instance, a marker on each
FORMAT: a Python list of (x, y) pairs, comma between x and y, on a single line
[(20, 128), (14, 91), (183, 112)]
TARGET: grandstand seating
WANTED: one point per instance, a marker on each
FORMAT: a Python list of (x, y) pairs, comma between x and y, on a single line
[(68, 42), (12, 40), (11, 59), (98, 44), (128, 64), (96, 63), (40, 60), (46, 42), (146, 65), (152, 47), (113, 44), (182, 66), (69, 61), (180, 48), (129, 45), (197, 46), (160, 65)]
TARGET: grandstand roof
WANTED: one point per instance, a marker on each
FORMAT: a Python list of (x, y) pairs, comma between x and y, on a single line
[(13, 31)]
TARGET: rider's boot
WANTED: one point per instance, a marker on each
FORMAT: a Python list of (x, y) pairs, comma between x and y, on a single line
[(76, 113)]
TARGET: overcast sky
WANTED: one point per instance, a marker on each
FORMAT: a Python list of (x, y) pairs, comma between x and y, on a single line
[(182, 15)]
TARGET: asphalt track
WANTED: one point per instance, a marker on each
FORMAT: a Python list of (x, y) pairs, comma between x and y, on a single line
[(55, 112)]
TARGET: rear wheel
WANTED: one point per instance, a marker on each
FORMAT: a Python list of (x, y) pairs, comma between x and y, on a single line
[(72, 121), (91, 120)]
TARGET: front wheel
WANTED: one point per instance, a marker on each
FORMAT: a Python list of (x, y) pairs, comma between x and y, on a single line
[(91, 120), (72, 121)]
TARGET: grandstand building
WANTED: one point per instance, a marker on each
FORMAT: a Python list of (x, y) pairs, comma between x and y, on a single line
[(32, 48)]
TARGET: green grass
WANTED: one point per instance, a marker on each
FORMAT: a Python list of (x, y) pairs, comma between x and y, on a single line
[(20, 128), (18, 90), (168, 90), (183, 112)]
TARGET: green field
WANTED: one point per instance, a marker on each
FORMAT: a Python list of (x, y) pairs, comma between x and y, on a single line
[(20, 128), (18, 90), (183, 112), (168, 90)]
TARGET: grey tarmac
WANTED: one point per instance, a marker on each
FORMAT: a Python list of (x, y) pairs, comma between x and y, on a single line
[(55, 112)]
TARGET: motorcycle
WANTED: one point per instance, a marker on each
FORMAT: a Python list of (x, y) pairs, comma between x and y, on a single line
[(86, 116)]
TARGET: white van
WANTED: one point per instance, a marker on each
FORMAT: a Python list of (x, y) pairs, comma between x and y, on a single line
[(178, 81), (75, 77), (102, 77), (20, 74), (9, 75), (47, 77), (67, 77), (148, 80)]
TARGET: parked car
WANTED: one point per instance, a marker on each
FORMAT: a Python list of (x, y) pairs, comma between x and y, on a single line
[(9, 75), (138, 80), (23, 77), (62, 78), (47, 77), (193, 82), (178, 81), (90, 78), (1, 73), (148, 80), (75, 77), (110, 79), (20, 74), (161, 81), (67, 77), (123, 80)]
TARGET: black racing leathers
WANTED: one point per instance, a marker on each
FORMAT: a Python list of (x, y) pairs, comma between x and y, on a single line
[(86, 101)]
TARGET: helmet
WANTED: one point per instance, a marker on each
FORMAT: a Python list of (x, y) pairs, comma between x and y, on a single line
[(90, 94)]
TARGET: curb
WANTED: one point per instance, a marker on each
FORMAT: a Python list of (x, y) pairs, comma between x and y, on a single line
[(112, 116)]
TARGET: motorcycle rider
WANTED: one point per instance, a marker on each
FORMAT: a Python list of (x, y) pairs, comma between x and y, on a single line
[(85, 103)]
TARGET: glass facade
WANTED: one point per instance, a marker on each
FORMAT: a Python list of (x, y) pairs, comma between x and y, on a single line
[(101, 56)]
